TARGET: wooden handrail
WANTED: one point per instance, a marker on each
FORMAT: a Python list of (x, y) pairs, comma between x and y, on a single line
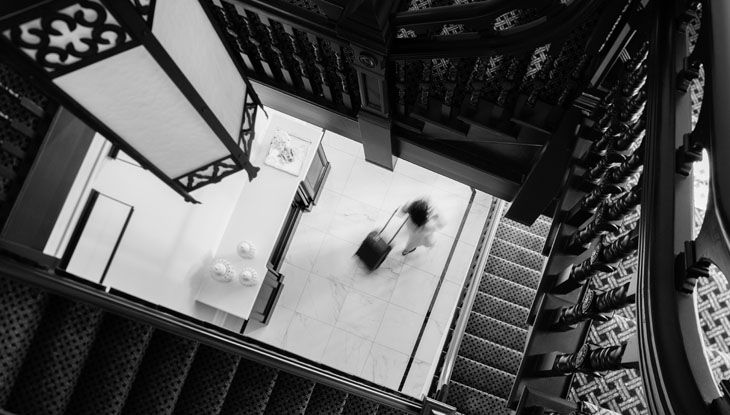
[(676, 377)]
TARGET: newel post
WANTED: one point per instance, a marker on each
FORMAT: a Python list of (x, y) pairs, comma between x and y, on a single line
[(366, 25)]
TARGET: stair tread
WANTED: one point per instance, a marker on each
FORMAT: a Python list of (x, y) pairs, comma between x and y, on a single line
[(513, 252), (480, 376), (356, 405), (326, 400), (490, 353), (290, 395), (500, 309), (55, 358), (386, 410), (512, 271), (111, 367), (529, 240), (471, 401), (21, 311), (507, 290), (251, 388), (207, 382), (541, 226), (161, 375), (496, 331)]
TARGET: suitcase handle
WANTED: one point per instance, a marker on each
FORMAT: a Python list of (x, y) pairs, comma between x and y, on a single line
[(399, 228), (386, 223)]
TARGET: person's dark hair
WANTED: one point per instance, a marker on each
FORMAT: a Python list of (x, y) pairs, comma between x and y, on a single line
[(419, 211)]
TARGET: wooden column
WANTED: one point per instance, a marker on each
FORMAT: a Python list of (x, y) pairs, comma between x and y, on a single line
[(366, 25)]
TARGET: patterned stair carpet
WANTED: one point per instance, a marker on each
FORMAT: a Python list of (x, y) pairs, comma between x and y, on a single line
[(62, 357), (492, 346)]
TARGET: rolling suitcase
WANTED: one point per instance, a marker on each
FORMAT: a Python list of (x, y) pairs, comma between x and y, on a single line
[(374, 249)]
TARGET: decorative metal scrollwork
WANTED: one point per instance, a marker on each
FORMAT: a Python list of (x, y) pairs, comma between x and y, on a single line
[(64, 40), (211, 173)]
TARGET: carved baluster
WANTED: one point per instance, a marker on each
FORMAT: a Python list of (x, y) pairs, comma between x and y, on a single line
[(298, 54), (635, 81), (540, 81), (632, 135), (582, 238), (268, 32), (450, 85), (594, 175), (634, 108), (508, 83), (477, 83), (586, 207), (620, 249), (320, 66), (613, 299), (342, 75), (594, 305), (622, 206), (425, 85), (587, 360), (624, 171), (254, 41), (400, 84)]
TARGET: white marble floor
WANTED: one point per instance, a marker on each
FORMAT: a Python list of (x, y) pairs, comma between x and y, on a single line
[(367, 324)]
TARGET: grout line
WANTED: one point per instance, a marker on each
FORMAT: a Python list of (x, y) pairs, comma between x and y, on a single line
[(436, 291)]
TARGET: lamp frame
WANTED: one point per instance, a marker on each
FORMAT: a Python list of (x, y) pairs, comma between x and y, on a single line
[(138, 28)]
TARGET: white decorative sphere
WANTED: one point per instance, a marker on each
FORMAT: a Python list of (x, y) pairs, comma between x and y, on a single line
[(246, 249), (248, 276), (222, 271)]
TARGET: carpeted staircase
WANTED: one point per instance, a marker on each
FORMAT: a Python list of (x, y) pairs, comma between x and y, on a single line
[(492, 346), (62, 357)]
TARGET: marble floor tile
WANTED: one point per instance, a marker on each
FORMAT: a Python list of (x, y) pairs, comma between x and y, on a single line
[(322, 214), (381, 282), (336, 260), (474, 224), (341, 166), (415, 172), (402, 190), (418, 376), (353, 220), (432, 259), (443, 308), (361, 314), (322, 298), (368, 183), (384, 366), (431, 341), (450, 185), (341, 143), (346, 351), (307, 337), (414, 289), (460, 262), (274, 332), (399, 329), (295, 279), (304, 247)]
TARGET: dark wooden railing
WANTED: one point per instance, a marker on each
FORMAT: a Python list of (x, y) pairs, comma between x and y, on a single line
[(642, 124)]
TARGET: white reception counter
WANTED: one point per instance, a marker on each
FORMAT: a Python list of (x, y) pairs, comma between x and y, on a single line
[(258, 217)]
